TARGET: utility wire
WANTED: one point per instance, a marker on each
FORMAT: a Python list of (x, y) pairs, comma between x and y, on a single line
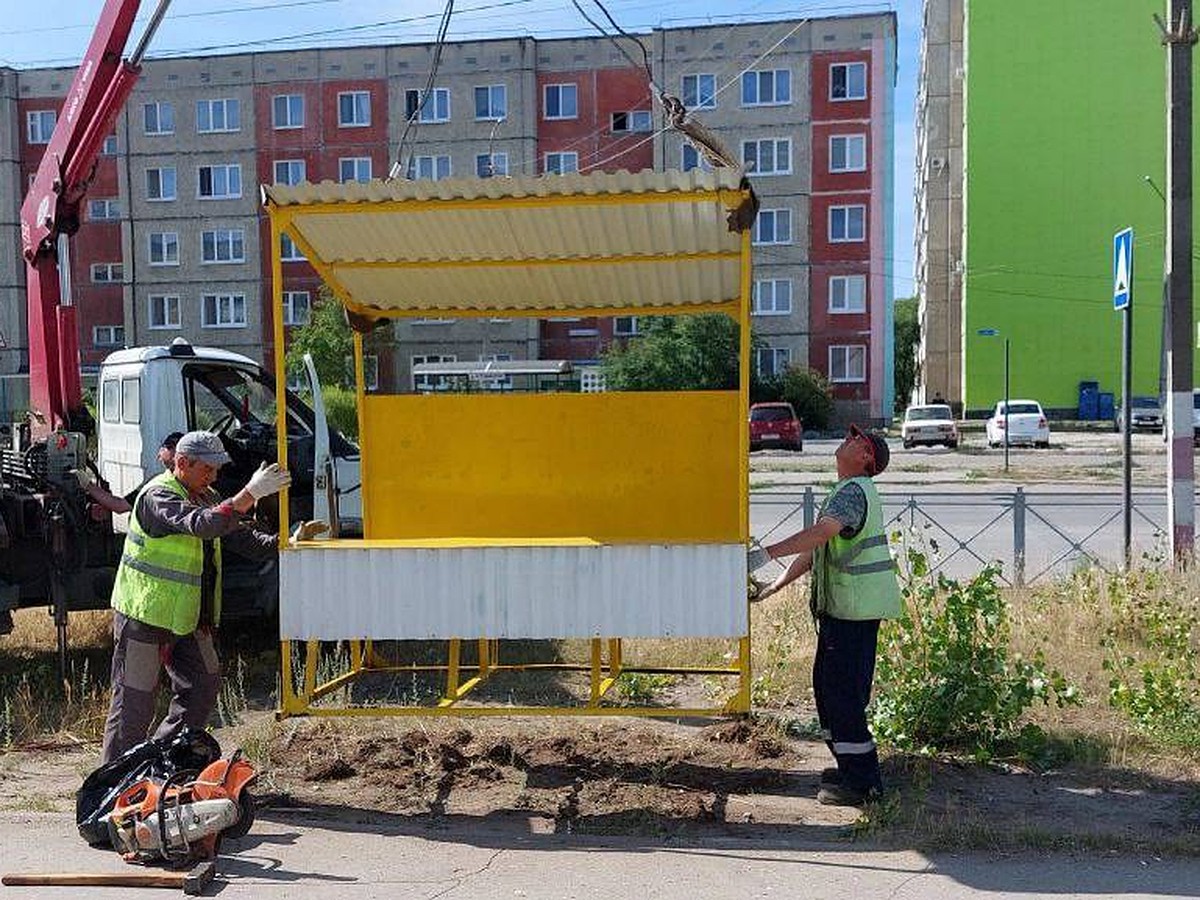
[(426, 95)]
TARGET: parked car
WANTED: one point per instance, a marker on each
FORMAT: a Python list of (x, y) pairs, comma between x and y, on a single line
[(775, 425), (1144, 412), (929, 425), (1023, 420)]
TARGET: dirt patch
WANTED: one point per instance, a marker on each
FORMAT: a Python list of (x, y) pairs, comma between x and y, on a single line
[(742, 777)]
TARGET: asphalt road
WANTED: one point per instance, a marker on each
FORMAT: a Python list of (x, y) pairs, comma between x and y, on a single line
[(297, 853), (962, 502)]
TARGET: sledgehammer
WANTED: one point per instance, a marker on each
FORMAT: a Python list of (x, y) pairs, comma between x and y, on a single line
[(192, 882)]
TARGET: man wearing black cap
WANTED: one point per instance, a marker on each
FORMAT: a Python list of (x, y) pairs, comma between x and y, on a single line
[(853, 587)]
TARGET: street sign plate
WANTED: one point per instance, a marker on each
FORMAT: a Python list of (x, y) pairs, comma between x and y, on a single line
[(1122, 268)]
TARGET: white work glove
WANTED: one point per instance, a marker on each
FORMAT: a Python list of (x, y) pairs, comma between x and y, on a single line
[(268, 480), (85, 477), (756, 557), (306, 531)]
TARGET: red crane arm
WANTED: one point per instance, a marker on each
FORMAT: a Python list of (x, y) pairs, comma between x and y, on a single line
[(99, 90)]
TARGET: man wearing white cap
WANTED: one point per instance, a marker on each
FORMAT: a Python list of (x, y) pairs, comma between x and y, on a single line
[(167, 596)]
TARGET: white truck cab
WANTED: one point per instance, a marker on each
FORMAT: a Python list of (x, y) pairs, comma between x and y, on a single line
[(145, 393)]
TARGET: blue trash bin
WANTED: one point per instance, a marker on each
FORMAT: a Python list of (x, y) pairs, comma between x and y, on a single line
[(1106, 411), (1089, 400)]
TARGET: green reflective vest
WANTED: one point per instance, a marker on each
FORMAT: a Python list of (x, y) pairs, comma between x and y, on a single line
[(159, 580), (855, 578)]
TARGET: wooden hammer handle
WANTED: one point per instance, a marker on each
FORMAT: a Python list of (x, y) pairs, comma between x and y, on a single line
[(96, 879)]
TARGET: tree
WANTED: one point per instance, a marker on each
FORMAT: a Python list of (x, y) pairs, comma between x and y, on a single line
[(809, 393), (907, 336), (676, 353), (327, 337)]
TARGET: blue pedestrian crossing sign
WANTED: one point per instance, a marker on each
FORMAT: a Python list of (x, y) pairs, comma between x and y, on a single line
[(1122, 268)]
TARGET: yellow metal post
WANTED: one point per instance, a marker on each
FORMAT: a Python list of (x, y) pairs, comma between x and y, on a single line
[(483, 656), (280, 367), (614, 657), (311, 655), (452, 674), (597, 662), (360, 399)]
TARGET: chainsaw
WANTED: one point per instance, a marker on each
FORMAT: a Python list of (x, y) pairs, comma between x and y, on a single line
[(181, 819)]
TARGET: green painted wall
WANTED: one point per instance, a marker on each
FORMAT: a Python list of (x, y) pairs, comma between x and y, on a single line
[(1064, 116)]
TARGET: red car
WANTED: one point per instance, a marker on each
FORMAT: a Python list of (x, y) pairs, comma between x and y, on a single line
[(775, 425)]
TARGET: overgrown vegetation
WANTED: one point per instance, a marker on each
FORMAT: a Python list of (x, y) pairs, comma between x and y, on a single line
[(907, 332), (810, 395), (947, 678), (1150, 654), (327, 338), (676, 353)]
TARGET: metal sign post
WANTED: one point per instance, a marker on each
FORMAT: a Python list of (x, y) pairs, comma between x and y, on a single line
[(1123, 303)]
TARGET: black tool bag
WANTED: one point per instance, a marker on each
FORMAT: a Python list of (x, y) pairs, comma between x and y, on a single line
[(188, 750)]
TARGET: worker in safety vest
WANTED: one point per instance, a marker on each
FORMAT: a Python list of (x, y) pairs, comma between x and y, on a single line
[(854, 586), (167, 597)]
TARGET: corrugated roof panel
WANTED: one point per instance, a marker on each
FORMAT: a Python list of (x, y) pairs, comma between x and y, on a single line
[(341, 593), (680, 283), (577, 217)]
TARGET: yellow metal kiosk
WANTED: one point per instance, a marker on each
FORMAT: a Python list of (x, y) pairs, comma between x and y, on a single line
[(492, 516)]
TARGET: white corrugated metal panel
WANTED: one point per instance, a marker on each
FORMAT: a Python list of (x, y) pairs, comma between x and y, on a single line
[(396, 593), (428, 243), (512, 289)]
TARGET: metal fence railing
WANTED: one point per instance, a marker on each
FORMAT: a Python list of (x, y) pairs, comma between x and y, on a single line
[(1034, 535)]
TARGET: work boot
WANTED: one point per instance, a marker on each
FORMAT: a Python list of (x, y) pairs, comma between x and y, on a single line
[(831, 775), (846, 795), (6, 622)]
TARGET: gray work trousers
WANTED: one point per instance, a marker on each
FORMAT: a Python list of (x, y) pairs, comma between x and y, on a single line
[(140, 653)]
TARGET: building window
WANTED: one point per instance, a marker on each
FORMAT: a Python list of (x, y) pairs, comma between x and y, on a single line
[(560, 101), (848, 153), (768, 157), (164, 248), (426, 383), (290, 171), (104, 210), (288, 251), (625, 326), (848, 294), (158, 117), (39, 125), (296, 307), (434, 107), (561, 163), (847, 364), (108, 335), (225, 245), (848, 81), (771, 362), (772, 297), (434, 167), (767, 87), (491, 102), (489, 164), (110, 146), (700, 91), (691, 158), (354, 168), (633, 121), (354, 109), (219, 182), (214, 116), (223, 310), (287, 111), (773, 226), (847, 224), (164, 311), (160, 183), (107, 273)]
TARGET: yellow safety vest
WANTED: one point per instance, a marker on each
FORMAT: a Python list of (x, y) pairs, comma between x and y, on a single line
[(159, 579), (855, 578)]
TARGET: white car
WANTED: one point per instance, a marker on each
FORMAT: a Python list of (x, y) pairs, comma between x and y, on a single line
[(1023, 420), (930, 425)]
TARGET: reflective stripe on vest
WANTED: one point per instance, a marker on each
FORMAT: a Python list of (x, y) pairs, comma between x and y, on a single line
[(160, 580), (855, 578)]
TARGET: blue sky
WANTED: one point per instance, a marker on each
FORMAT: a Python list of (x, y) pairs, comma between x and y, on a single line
[(31, 38)]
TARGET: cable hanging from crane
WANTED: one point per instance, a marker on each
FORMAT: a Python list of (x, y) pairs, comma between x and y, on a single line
[(675, 112)]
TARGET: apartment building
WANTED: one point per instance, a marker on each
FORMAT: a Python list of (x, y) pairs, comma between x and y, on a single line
[(938, 232), (177, 245)]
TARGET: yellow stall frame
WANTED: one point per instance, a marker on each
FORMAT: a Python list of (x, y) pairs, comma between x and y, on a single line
[(594, 517)]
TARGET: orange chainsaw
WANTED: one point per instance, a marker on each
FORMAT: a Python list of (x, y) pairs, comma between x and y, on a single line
[(182, 818)]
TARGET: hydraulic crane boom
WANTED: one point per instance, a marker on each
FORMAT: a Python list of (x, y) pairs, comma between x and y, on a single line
[(51, 211)]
